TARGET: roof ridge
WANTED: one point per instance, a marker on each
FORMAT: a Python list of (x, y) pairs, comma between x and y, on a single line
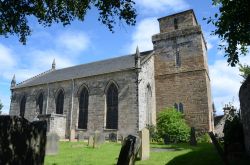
[(36, 76)]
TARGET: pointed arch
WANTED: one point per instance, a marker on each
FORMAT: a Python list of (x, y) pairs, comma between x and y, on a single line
[(23, 105), (83, 108), (59, 101), (181, 108), (176, 106), (108, 85), (112, 106), (39, 102)]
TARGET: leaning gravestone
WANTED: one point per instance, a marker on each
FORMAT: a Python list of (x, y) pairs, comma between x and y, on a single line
[(113, 137), (98, 139), (52, 143), (22, 142), (91, 141), (144, 149), (193, 141), (129, 150), (80, 136)]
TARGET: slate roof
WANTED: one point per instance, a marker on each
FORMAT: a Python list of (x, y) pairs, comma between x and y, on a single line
[(84, 70)]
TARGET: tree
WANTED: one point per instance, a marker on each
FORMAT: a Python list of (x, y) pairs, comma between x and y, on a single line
[(171, 125), (233, 27), (244, 70), (1, 106), (14, 15)]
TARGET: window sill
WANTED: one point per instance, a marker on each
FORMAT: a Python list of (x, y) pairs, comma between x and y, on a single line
[(79, 129), (106, 129)]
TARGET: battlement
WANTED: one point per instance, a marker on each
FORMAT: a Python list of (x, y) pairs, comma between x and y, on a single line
[(177, 21)]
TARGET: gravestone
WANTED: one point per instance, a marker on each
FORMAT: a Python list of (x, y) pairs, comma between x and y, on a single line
[(129, 150), (80, 136), (91, 141), (144, 149), (98, 139), (72, 135), (52, 143), (21, 141), (193, 141), (113, 137)]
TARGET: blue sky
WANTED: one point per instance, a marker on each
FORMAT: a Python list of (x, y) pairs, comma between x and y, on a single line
[(83, 42)]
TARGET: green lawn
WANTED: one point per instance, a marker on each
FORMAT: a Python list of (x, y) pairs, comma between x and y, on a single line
[(74, 153)]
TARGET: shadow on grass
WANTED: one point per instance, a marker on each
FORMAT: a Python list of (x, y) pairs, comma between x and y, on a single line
[(202, 154)]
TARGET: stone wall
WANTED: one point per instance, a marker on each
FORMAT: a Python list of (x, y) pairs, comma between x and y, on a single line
[(147, 112), (244, 95), (181, 72), (97, 85)]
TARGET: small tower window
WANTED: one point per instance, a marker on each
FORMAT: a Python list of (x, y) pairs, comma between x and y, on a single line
[(176, 106), (175, 23), (177, 58), (180, 107)]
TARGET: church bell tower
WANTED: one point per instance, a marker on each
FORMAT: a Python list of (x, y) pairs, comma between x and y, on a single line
[(181, 70)]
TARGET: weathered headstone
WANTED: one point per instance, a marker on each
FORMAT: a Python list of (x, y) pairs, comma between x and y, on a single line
[(52, 143), (129, 150), (72, 135), (22, 142), (80, 136), (91, 141), (193, 141), (113, 137), (98, 139), (144, 149)]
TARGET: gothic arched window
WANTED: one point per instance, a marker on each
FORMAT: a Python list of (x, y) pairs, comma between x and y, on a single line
[(112, 107), (83, 109), (39, 103), (181, 107), (22, 106), (176, 106), (59, 102)]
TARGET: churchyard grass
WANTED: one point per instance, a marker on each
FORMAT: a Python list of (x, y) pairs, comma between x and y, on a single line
[(78, 153)]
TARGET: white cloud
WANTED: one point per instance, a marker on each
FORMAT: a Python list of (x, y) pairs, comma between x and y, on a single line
[(143, 33), (6, 57), (226, 82), (73, 41), (158, 6)]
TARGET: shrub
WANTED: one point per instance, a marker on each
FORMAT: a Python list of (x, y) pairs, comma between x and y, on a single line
[(153, 135), (203, 138), (171, 125)]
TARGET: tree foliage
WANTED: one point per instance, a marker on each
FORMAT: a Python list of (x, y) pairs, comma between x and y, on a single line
[(233, 27), (1, 106), (244, 70), (170, 123), (14, 15)]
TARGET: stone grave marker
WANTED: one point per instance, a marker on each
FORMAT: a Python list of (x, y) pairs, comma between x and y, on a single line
[(72, 135), (144, 149), (91, 141), (52, 143), (98, 139), (129, 150), (80, 136), (193, 141), (113, 137)]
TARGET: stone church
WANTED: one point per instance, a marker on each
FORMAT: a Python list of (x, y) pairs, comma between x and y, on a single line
[(122, 95)]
